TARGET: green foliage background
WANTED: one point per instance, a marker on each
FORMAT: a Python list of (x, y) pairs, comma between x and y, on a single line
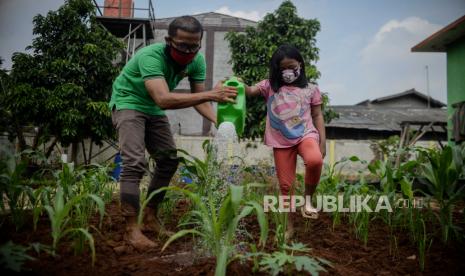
[(62, 86)]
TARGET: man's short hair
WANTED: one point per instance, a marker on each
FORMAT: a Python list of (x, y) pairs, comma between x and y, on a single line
[(186, 23)]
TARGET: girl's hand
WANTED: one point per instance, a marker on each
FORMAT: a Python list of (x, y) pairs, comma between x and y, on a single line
[(323, 149), (251, 91)]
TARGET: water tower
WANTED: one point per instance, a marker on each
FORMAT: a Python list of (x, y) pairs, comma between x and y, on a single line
[(134, 25)]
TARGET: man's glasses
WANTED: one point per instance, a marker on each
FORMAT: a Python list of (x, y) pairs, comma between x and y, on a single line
[(185, 47)]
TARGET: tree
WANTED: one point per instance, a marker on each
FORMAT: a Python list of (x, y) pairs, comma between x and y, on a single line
[(252, 50), (62, 89), (5, 118)]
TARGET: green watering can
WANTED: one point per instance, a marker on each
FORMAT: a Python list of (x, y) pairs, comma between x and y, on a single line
[(233, 112)]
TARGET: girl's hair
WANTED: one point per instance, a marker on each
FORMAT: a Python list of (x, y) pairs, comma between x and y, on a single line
[(275, 77)]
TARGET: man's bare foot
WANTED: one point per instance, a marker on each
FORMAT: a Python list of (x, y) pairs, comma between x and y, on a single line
[(135, 237), (152, 223)]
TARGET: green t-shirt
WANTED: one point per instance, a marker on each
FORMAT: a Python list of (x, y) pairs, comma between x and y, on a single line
[(151, 62)]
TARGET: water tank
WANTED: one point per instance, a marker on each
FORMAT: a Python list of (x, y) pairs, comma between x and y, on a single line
[(118, 8)]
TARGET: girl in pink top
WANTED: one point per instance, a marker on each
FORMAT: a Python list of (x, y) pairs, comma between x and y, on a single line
[(294, 123)]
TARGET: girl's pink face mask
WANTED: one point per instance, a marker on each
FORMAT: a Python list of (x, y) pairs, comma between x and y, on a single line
[(290, 75)]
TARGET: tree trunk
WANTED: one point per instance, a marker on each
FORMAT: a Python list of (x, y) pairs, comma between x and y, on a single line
[(74, 152), (50, 148), (21, 146), (84, 152), (89, 158), (35, 143)]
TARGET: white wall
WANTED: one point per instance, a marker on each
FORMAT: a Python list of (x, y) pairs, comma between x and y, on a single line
[(255, 152), (222, 54)]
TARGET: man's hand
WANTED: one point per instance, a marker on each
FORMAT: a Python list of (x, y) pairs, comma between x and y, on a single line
[(224, 93)]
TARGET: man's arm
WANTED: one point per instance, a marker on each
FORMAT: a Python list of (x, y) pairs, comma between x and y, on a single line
[(159, 91), (319, 122), (205, 109)]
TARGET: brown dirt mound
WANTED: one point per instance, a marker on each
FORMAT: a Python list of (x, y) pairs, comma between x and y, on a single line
[(348, 255)]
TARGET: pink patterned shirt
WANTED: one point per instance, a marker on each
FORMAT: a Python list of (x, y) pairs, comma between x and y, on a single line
[(289, 117)]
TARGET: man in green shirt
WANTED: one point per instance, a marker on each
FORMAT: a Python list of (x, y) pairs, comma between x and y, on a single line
[(140, 95)]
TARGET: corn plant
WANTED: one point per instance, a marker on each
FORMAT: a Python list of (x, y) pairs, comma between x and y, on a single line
[(199, 169), (217, 228), (15, 191), (332, 182), (280, 222), (67, 178), (361, 218), (392, 181), (41, 197), (96, 180), (332, 175), (442, 171), (416, 218), (169, 203), (61, 215)]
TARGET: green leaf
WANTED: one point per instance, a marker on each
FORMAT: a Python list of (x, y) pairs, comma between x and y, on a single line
[(13, 256), (307, 264), (180, 234), (406, 187)]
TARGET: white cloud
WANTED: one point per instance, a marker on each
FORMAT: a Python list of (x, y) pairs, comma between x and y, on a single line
[(251, 15), (388, 66), (396, 38)]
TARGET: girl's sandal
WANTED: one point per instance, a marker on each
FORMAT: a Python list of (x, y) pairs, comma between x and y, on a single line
[(311, 214)]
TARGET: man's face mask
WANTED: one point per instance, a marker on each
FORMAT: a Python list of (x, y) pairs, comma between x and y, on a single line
[(290, 75), (182, 53)]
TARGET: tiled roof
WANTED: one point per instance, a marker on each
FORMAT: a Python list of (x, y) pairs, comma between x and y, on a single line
[(382, 118)]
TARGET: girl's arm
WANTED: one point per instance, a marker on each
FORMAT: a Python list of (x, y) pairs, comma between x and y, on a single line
[(319, 122), (252, 91)]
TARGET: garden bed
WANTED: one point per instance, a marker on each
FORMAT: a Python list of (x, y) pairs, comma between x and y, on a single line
[(340, 246)]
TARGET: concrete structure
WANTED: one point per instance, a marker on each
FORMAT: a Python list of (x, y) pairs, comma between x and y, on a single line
[(450, 39)]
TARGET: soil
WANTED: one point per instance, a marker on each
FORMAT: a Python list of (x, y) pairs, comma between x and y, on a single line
[(348, 255)]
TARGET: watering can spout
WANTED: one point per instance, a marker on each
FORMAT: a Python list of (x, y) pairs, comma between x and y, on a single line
[(233, 112)]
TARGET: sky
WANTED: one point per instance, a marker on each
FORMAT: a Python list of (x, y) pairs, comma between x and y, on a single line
[(364, 45)]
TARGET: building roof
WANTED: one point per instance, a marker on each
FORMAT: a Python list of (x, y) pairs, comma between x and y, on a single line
[(384, 119), (214, 19), (439, 41), (410, 92)]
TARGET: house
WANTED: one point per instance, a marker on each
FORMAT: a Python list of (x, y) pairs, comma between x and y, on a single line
[(386, 116), (407, 99), (451, 39)]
